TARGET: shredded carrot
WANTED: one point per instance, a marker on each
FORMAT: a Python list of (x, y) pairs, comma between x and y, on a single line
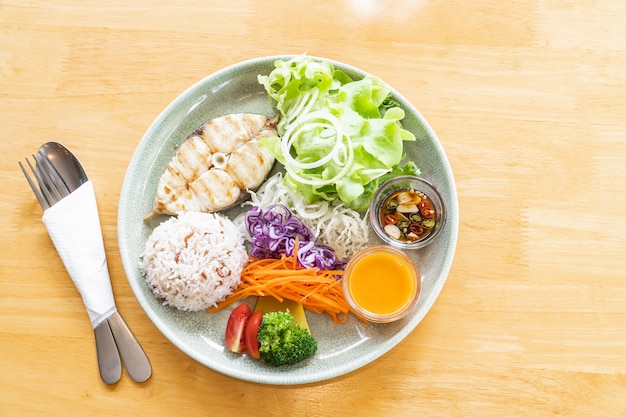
[(317, 290)]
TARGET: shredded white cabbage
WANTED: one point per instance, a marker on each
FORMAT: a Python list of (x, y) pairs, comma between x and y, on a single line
[(336, 226)]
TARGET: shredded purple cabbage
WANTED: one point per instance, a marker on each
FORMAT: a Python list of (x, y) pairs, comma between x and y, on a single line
[(273, 232)]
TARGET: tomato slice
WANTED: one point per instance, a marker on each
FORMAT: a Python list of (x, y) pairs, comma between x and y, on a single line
[(235, 340), (251, 334)]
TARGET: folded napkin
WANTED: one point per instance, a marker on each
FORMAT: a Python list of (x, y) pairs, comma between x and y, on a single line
[(74, 226)]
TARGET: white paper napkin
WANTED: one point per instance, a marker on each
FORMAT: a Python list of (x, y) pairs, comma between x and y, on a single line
[(74, 226)]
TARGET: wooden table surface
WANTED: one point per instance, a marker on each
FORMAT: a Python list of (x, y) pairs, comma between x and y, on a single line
[(528, 99)]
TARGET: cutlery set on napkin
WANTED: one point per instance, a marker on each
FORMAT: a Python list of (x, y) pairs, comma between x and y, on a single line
[(68, 199)]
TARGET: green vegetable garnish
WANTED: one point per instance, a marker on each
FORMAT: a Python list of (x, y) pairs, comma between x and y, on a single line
[(284, 341), (338, 137)]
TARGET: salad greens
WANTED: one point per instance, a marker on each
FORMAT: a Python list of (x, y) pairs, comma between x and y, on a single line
[(338, 137)]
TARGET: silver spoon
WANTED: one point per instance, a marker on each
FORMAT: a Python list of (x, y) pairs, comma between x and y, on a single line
[(137, 364)]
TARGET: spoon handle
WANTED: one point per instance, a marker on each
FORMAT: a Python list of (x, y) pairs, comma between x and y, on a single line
[(135, 359), (108, 358)]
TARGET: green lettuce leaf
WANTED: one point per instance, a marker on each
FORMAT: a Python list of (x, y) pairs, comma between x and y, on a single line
[(338, 137)]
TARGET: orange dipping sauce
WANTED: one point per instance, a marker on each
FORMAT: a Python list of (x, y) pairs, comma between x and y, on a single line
[(381, 284)]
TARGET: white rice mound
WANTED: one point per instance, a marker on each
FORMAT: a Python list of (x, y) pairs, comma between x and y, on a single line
[(194, 261)]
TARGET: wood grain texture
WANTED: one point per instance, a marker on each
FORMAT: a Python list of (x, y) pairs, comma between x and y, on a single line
[(527, 98)]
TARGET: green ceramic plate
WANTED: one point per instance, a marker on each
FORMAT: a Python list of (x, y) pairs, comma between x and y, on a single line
[(343, 348)]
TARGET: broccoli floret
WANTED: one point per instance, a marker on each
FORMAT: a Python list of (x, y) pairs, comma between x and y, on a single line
[(284, 341)]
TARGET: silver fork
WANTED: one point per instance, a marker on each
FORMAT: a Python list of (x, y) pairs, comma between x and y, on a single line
[(51, 189), (44, 202)]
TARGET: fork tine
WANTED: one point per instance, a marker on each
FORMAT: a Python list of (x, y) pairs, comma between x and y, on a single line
[(42, 201), (51, 179), (46, 190), (42, 184)]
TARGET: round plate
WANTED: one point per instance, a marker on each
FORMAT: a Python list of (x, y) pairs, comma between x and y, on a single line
[(342, 348)]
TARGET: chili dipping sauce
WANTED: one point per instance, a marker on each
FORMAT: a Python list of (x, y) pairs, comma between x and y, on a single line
[(407, 215)]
